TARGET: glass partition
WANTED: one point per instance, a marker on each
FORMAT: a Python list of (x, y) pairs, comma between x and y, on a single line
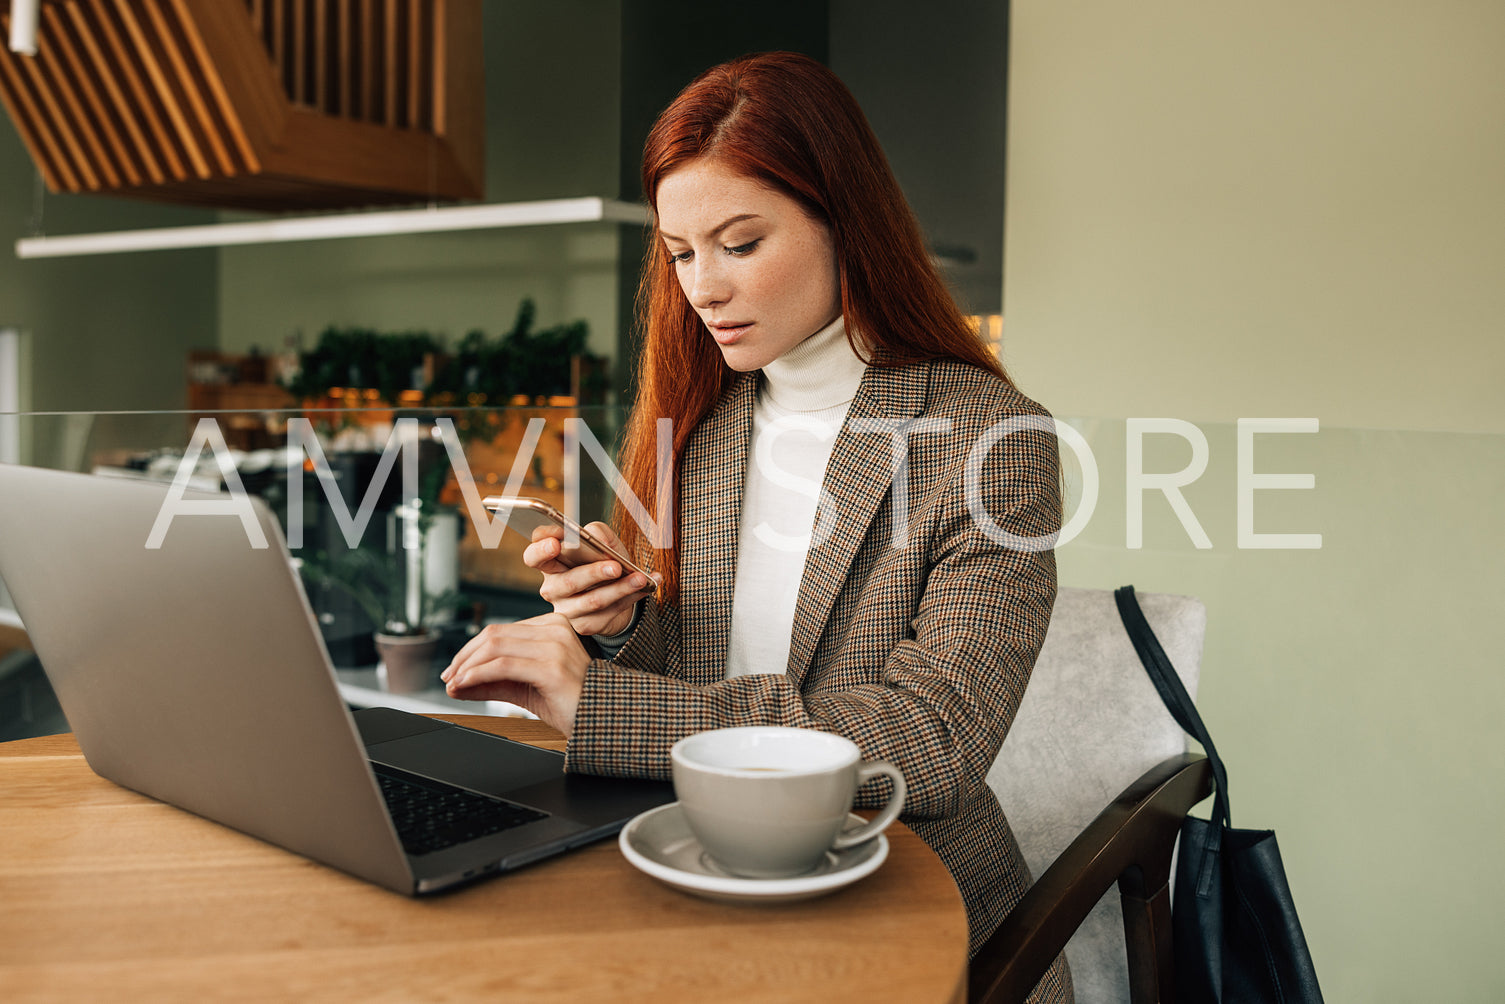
[(1353, 578)]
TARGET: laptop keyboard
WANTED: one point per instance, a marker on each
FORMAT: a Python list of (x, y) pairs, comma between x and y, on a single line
[(431, 816)]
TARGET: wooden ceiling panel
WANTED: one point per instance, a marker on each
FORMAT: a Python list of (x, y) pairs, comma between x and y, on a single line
[(120, 166), (257, 104)]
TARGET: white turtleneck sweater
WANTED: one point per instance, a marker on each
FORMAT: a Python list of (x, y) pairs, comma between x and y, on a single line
[(800, 408)]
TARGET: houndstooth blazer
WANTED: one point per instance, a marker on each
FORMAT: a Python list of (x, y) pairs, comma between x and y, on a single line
[(918, 649)]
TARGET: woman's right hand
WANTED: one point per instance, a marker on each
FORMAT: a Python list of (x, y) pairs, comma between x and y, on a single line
[(596, 597)]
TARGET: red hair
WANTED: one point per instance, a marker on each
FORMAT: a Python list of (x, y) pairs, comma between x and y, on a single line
[(789, 122)]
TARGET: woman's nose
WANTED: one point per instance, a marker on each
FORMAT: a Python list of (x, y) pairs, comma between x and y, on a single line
[(709, 286)]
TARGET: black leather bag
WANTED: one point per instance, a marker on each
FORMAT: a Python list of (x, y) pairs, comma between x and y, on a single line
[(1234, 926)]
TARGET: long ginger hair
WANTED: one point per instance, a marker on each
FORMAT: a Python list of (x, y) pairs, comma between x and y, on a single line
[(789, 122)]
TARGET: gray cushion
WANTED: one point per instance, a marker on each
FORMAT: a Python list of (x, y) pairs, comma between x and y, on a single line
[(1089, 725)]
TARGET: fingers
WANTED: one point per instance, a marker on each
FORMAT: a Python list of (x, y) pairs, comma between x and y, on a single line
[(520, 662), (604, 533), (520, 694), (596, 596), (550, 547), (543, 553), (538, 663), (579, 579), (593, 587), (566, 578), (607, 610), (528, 650), (495, 636)]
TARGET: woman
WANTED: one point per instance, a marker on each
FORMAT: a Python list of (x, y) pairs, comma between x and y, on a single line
[(798, 336)]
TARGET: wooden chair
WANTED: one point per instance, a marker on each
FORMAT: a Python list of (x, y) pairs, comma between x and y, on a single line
[(1091, 727)]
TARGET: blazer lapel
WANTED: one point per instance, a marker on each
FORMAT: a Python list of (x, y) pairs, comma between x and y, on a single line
[(715, 467), (858, 478)]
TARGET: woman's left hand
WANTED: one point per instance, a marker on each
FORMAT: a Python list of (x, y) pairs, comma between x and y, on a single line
[(536, 663)]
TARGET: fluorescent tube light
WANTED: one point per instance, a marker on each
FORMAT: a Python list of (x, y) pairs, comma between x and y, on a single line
[(10, 396), (315, 228), (23, 26)]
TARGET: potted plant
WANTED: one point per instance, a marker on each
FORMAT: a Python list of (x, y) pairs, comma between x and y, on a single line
[(391, 364), (390, 588)]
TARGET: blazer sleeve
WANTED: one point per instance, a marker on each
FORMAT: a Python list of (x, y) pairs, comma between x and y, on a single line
[(956, 649)]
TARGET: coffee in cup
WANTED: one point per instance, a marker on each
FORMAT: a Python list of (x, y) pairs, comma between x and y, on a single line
[(770, 801)]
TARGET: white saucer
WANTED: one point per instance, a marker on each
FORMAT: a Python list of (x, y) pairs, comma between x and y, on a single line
[(659, 842)]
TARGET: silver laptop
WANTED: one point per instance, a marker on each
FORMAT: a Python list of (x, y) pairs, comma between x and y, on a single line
[(195, 673)]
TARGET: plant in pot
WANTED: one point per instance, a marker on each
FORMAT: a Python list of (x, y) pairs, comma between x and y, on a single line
[(391, 364), (390, 588)]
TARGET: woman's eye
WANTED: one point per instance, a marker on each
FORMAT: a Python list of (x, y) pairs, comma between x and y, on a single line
[(675, 259), (743, 249)]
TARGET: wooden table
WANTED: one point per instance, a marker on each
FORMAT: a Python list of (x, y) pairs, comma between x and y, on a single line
[(108, 895)]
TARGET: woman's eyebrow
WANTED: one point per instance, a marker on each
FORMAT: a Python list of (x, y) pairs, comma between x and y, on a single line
[(718, 229)]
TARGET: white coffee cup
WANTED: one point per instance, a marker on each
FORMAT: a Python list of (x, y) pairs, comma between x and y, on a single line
[(769, 801)]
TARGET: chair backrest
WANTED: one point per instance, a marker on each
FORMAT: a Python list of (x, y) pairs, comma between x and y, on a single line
[(1089, 725)]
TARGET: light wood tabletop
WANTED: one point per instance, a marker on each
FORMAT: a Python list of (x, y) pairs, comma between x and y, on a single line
[(108, 895)]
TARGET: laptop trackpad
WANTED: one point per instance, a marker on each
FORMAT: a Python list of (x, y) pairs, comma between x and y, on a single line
[(470, 759), (596, 801)]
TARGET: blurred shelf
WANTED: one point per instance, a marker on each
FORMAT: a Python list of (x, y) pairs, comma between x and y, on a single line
[(490, 216)]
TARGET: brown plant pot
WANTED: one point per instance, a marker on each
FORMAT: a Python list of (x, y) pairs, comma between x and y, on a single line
[(407, 662)]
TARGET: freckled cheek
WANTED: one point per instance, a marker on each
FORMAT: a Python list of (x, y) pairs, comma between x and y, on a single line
[(813, 289), (763, 288), (789, 278)]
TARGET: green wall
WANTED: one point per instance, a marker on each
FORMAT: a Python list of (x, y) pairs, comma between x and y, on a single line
[(103, 332), (1298, 211)]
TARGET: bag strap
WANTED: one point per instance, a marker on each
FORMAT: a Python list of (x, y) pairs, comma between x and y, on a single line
[(1173, 693)]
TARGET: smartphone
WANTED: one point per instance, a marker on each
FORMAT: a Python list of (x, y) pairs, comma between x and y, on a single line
[(527, 514)]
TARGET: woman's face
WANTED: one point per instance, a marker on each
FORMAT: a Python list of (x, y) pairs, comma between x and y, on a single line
[(760, 273)]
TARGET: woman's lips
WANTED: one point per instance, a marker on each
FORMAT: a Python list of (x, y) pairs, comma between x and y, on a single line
[(729, 334)]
